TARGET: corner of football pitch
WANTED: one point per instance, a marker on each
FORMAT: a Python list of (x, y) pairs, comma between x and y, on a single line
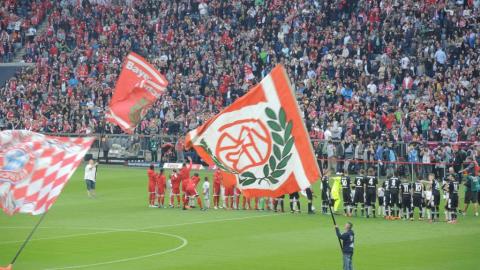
[(118, 231)]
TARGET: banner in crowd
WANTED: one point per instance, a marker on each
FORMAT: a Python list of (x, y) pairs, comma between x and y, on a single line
[(260, 142), (34, 168), (138, 87)]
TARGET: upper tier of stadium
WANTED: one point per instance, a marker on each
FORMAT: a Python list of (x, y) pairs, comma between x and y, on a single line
[(394, 70)]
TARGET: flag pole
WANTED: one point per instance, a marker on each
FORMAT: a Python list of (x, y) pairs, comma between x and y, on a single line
[(330, 206), (333, 218), (102, 134), (28, 238)]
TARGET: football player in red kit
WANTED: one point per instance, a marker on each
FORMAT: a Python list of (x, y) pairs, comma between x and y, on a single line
[(229, 197), (185, 170), (151, 185), (175, 180), (196, 179), (161, 181), (188, 187), (236, 197), (217, 180)]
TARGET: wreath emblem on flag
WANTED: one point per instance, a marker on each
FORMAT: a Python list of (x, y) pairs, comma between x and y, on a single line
[(138, 110), (239, 151)]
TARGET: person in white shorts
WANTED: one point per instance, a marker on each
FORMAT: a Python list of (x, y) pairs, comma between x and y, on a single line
[(206, 193)]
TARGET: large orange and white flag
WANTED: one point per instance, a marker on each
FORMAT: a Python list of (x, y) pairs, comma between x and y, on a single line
[(138, 87), (260, 141)]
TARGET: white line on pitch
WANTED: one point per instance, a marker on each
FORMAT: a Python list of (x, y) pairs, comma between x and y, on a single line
[(184, 243), (112, 230)]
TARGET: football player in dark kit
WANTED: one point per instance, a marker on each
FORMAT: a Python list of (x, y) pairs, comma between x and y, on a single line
[(406, 189), (371, 194), (359, 197), (325, 196), (277, 201), (452, 203), (347, 194), (386, 200), (294, 198), (394, 184), (309, 193), (418, 189), (436, 186)]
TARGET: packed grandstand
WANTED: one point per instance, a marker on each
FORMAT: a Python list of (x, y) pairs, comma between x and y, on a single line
[(397, 75)]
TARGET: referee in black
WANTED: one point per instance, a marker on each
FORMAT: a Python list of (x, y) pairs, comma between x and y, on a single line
[(348, 239)]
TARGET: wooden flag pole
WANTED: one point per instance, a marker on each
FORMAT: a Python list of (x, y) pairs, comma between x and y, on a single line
[(28, 238)]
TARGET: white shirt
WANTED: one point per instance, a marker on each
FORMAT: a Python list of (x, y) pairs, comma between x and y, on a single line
[(203, 7), (206, 188), (90, 171)]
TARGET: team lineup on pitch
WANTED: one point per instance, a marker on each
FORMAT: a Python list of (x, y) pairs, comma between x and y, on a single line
[(77, 223)]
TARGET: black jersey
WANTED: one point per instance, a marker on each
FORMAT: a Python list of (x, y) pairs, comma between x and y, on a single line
[(346, 183), (406, 188), (325, 184), (359, 182), (372, 183), (418, 189), (394, 184), (453, 188), (436, 187), (386, 186)]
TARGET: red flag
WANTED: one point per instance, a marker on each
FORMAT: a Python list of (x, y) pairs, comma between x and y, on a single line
[(138, 87), (34, 168), (260, 141)]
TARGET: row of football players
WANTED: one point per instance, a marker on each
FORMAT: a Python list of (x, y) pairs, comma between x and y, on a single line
[(183, 193), (397, 198)]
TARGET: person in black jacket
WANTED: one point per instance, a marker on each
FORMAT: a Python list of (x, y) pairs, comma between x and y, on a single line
[(348, 239)]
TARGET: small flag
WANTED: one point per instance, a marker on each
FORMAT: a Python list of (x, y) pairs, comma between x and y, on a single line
[(260, 141), (34, 169), (138, 87), (248, 70)]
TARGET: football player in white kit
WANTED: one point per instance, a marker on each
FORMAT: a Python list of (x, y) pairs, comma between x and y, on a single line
[(206, 193)]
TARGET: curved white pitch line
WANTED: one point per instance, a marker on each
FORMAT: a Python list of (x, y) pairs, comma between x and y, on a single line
[(111, 230), (184, 243), (62, 236)]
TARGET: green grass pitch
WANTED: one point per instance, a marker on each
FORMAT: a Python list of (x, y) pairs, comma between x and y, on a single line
[(118, 231)]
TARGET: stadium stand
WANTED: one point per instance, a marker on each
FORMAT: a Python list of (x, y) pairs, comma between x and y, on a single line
[(381, 72), (19, 20)]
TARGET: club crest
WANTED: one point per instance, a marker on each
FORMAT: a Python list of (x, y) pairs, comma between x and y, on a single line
[(15, 164)]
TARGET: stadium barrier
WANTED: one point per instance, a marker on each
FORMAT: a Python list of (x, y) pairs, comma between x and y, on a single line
[(136, 151)]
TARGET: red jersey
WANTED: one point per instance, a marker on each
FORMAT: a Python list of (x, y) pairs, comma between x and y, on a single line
[(217, 177), (187, 184), (151, 180), (175, 179), (151, 176), (161, 180), (185, 172), (195, 180)]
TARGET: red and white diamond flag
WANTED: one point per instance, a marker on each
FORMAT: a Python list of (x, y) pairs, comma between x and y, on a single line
[(34, 168)]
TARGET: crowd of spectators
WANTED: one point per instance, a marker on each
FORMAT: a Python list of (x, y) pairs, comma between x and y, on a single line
[(19, 20), (367, 74)]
